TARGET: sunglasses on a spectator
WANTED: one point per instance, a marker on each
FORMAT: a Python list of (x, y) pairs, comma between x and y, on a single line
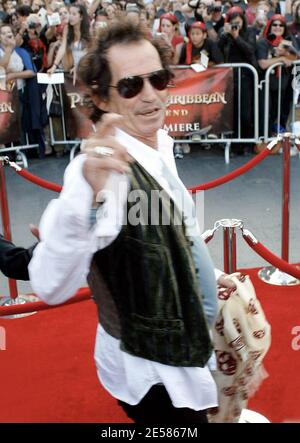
[(129, 87), (280, 25)]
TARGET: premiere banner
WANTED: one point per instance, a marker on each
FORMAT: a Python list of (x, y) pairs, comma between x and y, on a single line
[(200, 100), (9, 116), (76, 112)]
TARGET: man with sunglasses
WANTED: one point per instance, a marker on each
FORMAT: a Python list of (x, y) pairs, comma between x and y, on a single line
[(152, 280)]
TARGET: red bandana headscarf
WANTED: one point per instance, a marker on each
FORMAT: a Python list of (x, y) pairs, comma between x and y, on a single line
[(36, 45), (279, 38)]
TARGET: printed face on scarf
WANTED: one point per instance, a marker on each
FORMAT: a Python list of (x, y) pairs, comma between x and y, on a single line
[(277, 28), (197, 37), (144, 113)]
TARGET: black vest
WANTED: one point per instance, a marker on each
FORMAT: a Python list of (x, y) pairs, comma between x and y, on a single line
[(145, 284)]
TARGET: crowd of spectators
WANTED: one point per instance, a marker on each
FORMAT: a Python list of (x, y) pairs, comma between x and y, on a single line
[(46, 35)]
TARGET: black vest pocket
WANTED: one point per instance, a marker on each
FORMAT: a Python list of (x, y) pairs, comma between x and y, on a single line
[(157, 325)]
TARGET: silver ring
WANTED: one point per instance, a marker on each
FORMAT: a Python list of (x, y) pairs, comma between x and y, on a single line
[(104, 150)]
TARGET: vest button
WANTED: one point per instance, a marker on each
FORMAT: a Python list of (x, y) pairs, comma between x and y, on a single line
[(197, 271)]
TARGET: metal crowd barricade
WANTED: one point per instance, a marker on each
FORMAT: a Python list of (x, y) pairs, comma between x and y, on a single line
[(266, 82), (204, 138), (295, 83), (20, 150)]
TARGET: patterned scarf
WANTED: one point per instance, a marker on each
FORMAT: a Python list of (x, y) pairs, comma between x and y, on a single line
[(242, 337)]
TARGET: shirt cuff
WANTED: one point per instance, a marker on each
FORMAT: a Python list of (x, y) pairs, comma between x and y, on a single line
[(218, 273), (77, 193)]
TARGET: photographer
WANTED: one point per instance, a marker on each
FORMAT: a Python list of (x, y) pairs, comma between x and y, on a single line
[(238, 46), (33, 43)]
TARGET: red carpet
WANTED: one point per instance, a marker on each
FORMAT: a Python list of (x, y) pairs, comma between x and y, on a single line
[(48, 373)]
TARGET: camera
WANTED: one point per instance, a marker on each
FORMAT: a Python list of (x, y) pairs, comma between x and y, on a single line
[(234, 27)]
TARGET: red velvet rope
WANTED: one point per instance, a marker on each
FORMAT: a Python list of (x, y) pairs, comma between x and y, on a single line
[(273, 259), (208, 185), (39, 181), (81, 295), (233, 174)]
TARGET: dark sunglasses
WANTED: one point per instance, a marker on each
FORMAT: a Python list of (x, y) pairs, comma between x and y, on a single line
[(129, 87), (278, 25)]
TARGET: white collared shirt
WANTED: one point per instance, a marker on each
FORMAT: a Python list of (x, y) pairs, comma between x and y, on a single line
[(62, 259)]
